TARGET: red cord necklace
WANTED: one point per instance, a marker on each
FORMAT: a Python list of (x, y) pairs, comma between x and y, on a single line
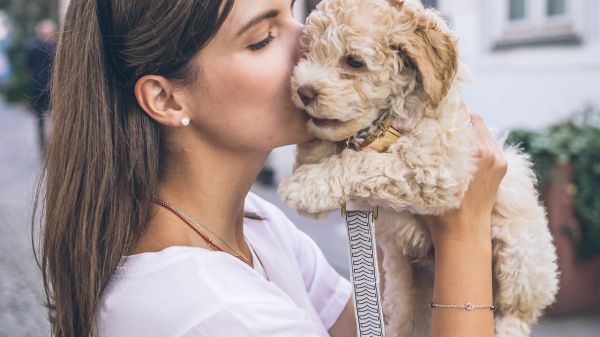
[(194, 225)]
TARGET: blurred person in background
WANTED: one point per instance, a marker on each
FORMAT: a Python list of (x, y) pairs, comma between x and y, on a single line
[(40, 54)]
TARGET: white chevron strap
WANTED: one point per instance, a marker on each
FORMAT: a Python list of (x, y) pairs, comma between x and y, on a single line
[(363, 267)]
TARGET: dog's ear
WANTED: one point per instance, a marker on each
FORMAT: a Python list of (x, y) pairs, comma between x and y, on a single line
[(424, 43), (396, 4), (408, 117)]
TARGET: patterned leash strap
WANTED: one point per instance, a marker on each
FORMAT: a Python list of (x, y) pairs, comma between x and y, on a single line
[(364, 269)]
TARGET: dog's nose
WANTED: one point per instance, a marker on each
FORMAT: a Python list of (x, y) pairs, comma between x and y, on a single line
[(307, 94)]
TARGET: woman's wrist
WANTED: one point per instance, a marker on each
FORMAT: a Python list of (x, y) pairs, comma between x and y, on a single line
[(464, 263), (474, 229), (463, 274), (476, 249)]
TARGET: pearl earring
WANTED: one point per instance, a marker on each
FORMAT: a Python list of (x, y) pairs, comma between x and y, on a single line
[(185, 121)]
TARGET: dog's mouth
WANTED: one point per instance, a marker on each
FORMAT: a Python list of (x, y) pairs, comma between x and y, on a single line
[(325, 123)]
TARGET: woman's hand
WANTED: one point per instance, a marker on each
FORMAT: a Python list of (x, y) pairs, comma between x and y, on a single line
[(471, 221), (463, 249)]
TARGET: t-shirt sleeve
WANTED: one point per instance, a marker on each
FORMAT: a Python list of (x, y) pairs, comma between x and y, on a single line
[(256, 319), (328, 291)]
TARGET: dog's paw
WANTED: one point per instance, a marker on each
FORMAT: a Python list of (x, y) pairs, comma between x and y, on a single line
[(308, 195), (511, 326)]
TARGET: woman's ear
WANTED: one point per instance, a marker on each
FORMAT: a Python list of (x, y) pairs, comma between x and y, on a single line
[(156, 96), (424, 38)]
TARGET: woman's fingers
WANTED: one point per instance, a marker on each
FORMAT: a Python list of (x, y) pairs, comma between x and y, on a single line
[(471, 219), (487, 150)]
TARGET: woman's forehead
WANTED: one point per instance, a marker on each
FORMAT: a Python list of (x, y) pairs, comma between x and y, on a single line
[(246, 11)]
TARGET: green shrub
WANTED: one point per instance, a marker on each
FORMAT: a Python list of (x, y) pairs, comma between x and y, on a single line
[(575, 140)]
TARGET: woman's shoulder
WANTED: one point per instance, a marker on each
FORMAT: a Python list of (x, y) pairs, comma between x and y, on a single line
[(272, 217), (261, 207), (185, 270), (153, 293)]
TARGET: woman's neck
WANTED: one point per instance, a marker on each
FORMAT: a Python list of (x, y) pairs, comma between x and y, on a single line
[(211, 185)]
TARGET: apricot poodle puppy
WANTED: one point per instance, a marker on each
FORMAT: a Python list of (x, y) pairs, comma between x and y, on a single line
[(375, 65)]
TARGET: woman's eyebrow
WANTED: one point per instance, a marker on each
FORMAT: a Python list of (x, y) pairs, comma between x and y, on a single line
[(258, 19)]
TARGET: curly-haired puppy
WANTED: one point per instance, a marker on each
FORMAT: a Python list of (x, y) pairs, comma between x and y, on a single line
[(372, 62)]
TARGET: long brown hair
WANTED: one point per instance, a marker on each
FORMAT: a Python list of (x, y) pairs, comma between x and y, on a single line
[(102, 162)]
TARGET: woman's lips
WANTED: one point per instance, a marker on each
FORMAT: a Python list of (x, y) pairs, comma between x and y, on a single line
[(321, 122)]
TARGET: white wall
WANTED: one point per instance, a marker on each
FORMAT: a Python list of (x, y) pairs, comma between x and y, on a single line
[(529, 86)]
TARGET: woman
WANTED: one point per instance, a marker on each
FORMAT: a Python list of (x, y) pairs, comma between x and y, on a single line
[(164, 113)]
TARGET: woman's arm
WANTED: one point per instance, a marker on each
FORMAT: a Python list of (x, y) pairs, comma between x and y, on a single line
[(463, 274), (345, 326), (463, 249)]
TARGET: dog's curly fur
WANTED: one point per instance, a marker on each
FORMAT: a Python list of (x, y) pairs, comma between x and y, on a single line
[(369, 58)]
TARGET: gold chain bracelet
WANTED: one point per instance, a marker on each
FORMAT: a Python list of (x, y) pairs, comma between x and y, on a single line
[(467, 306)]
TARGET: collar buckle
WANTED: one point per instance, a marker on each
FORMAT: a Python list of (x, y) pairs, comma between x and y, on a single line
[(380, 140)]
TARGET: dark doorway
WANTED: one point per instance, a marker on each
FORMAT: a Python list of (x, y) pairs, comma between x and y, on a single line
[(430, 3), (310, 5)]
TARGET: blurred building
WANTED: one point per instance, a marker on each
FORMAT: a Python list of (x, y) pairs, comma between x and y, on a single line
[(532, 61)]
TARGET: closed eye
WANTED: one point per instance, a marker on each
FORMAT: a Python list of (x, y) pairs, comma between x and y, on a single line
[(266, 41), (262, 44)]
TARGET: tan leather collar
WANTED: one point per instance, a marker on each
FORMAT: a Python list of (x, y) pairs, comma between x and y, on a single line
[(384, 136)]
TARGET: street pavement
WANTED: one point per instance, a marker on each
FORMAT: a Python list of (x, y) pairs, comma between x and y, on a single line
[(21, 294)]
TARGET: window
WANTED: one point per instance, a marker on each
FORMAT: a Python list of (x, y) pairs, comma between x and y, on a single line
[(533, 22), (556, 7), (516, 10)]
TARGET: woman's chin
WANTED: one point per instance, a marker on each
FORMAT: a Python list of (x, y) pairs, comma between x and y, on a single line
[(298, 136), (333, 131)]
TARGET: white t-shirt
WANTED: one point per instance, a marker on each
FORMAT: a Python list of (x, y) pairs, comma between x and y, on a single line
[(256, 262), (194, 292)]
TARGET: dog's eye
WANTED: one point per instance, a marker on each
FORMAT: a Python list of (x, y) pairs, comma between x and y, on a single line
[(353, 62), (409, 64)]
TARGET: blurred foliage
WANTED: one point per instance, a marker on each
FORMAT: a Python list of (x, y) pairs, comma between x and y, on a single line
[(24, 15), (575, 140)]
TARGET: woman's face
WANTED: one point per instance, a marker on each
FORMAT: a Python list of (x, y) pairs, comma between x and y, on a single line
[(243, 100)]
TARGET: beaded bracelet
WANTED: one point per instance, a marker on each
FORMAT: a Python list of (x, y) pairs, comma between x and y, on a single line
[(467, 306)]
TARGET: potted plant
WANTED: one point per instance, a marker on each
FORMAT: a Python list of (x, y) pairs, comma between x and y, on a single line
[(566, 158)]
